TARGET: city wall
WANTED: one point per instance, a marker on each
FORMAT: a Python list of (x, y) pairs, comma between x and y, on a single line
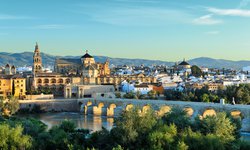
[(51, 105)]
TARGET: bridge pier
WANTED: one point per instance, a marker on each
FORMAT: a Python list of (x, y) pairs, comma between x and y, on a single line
[(90, 110), (104, 111)]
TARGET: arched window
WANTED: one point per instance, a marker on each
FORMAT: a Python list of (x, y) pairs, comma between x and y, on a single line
[(39, 81), (60, 81), (46, 81), (67, 81), (53, 81)]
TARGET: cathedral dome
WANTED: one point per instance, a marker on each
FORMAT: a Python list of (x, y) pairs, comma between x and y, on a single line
[(184, 63), (87, 55)]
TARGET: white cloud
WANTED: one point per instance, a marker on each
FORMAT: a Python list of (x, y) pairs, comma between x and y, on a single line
[(212, 32), (207, 20), (230, 12), (134, 15)]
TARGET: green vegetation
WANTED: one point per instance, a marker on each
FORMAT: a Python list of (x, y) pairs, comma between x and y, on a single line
[(133, 130), (196, 71), (13, 138), (43, 90), (9, 106), (150, 95), (241, 94)]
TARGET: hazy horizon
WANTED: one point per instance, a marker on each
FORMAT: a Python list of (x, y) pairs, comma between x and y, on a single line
[(126, 57), (144, 29)]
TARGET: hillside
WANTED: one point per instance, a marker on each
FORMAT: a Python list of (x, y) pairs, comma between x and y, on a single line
[(25, 58)]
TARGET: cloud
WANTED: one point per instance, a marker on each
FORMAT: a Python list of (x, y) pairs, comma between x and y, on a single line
[(212, 32), (137, 16), (12, 17), (230, 12), (207, 20)]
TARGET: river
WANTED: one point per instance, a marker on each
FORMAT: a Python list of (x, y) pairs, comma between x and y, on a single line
[(93, 123)]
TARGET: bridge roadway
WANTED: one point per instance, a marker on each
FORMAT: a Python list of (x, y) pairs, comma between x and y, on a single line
[(112, 107)]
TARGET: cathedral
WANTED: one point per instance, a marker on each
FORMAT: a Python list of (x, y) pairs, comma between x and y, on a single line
[(84, 66), (80, 78)]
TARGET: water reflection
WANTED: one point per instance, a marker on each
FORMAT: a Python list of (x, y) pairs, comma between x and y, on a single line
[(93, 123)]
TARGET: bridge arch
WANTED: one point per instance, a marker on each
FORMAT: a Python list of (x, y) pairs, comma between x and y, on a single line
[(236, 113), (100, 105), (129, 107), (89, 103), (189, 110), (146, 108), (163, 110), (208, 112), (112, 106)]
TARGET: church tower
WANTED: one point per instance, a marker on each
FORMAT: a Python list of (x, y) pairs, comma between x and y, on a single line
[(37, 60), (87, 59)]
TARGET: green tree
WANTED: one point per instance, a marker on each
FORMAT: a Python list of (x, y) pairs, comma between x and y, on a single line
[(132, 128), (9, 106), (117, 148), (196, 71), (67, 126), (152, 94), (178, 117), (129, 95), (219, 125), (13, 138), (163, 137), (205, 98), (181, 146), (118, 95)]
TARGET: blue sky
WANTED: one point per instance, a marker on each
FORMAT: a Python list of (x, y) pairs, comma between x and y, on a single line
[(167, 30)]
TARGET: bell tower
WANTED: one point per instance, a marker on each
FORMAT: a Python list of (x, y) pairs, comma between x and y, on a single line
[(37, 60)]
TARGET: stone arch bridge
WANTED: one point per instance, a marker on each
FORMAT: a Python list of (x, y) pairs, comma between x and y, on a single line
[(113, 107)]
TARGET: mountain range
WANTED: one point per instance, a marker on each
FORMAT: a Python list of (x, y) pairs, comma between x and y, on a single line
[(26, 59)]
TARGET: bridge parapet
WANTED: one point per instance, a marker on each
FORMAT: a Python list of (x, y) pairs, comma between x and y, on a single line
[(112, 107)]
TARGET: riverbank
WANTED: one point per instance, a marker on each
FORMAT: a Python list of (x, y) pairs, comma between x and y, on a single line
[(90, 122)]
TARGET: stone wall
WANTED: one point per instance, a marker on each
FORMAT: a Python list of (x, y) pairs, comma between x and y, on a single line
[(39, 97), (51, 105)]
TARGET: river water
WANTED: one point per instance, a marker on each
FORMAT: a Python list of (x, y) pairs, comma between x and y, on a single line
[(93, 123)]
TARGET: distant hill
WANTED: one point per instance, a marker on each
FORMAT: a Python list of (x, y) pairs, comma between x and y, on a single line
[(25, 58), (218, 63)]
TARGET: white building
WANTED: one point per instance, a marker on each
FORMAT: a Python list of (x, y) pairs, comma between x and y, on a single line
[(143, 88)]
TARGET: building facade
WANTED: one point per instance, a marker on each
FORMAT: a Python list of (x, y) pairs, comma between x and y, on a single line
[(84, 66), (76, 74), (12, 85)]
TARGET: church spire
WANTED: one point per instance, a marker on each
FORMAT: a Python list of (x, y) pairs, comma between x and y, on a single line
[(37, 60), (36, 47)]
